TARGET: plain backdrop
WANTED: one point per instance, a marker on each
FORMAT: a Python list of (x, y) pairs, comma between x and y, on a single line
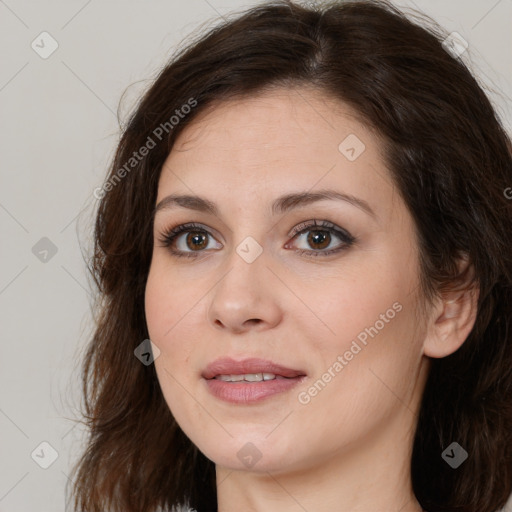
[(59, 129)]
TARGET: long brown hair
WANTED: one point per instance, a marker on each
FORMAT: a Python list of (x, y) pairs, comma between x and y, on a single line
[(450, 158)]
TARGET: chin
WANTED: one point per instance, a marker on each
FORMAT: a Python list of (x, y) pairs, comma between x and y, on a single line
[(257, 456)]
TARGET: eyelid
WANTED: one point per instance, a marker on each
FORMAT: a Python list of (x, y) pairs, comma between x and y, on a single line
[(186, 227), (294, 231), (170, 235), (324, 224)]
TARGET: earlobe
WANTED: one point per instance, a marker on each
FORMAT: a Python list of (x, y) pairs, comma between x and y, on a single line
[(452, 319)]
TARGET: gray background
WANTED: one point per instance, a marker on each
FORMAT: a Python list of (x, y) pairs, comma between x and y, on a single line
[(59, 131)]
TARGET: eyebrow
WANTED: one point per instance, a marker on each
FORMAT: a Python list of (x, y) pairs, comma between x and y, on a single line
[(281, 205)]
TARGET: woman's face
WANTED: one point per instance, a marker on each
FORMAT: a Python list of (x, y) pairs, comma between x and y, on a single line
[(333, 305)]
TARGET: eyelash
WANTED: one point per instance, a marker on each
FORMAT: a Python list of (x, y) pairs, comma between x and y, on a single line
[(168, 238)]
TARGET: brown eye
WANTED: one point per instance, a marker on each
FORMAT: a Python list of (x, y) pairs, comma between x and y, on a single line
[(319, 239), (195, 241), (320, 236)]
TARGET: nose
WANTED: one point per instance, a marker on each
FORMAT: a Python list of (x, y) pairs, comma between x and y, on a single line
[(246, 298)]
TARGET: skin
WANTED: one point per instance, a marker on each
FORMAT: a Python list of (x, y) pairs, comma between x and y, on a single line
[(349, 447)]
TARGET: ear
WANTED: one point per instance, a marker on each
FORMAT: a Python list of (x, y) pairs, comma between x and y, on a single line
[(453, 316)]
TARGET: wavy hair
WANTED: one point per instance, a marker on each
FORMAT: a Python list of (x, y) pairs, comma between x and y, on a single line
[(451, 161)]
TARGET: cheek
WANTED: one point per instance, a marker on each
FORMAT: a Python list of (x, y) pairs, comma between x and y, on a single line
[(165, 311), (165, 302), (352, 308), (369, 343), (357, 386), (379, 354), (156, 307)]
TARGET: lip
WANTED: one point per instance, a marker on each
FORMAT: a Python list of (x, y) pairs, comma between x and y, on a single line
[(249, 392), (228, 366)]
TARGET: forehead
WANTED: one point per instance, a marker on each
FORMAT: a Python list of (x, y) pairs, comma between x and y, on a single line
[(274, 119), (275, 141)]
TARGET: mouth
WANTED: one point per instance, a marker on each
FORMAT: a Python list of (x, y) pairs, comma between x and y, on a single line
[(249, 380), (249, 377)]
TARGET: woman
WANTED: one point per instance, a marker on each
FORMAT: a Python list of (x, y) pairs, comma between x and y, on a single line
[(307, 217)]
